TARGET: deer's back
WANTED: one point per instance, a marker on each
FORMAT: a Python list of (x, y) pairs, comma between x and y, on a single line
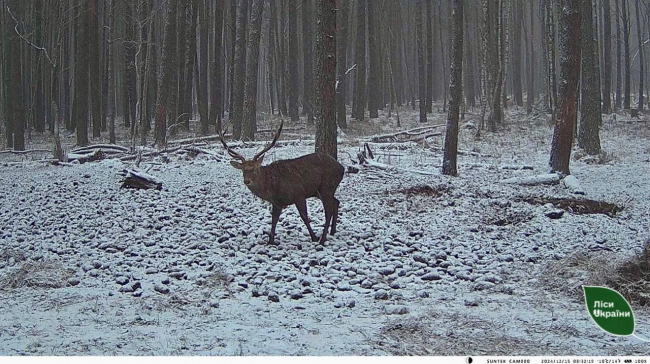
[(308, 176)]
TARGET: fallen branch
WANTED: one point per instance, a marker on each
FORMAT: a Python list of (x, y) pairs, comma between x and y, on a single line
[(149, 154), (412, 135), (11, 151), (542, 179), (107, 148)]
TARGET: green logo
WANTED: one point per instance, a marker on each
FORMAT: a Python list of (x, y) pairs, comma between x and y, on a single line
[(609, 310)]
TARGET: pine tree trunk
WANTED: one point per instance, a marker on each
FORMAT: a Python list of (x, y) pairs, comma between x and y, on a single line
[(516, 52), (239, 79), (374, 67), (203, 75), (449, 165), (308, 66), (590, 112), (294, 87), (607, 58), (422, 75), (16, 128), (80, 103), (216, 84), (430, 55), (618, 101), (569, 46), (360, 56), (627, 86), (639, 26), (341, 43), (252, 63), (165, 102), (326, 78)]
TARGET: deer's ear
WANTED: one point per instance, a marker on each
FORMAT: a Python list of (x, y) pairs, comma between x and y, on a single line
[(236, 164)]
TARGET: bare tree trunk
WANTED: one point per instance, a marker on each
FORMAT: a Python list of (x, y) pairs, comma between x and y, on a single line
[(449, 165), (308, 64), (80, 103), (627, 86), (341, 43), (569, 39), (422, 76), (165, 102), (203, 75), (293, 61), (216, 85), (639, 27), (607, 61), (252, 63), (590, 112), (518, 13), (326, 78), (239, 80), (618, 100), (374, 66), (360, 55)]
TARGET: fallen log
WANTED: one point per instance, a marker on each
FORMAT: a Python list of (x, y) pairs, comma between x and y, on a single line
[(83, 158), (575, 205), (542, 179), (107, 148), (412, 135), (140, 180)]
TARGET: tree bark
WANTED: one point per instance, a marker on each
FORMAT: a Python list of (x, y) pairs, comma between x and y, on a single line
[(516, 52), (360, 56), (639, 27), (239, 79), (252, 63), (308, 64), (607, 58), (569, 46), (374, 67), (341, 43), (216, 84), (326, 78), (627, 86), (590, 113), (293, 61), (166, 96), (80, 103), (449, 165), (422, 75)]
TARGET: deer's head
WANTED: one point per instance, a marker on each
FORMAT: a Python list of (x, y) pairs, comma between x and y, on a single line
[(250, 168)]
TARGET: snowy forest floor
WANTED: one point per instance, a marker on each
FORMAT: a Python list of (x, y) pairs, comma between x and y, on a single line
[(420, 264)]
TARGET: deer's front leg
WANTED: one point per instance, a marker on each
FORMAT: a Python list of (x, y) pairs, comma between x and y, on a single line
[(275, 216)]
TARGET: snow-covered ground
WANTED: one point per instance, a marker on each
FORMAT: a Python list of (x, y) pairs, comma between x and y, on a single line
[(458, 267)]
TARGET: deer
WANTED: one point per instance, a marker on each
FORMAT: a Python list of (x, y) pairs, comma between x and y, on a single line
[(291, 182)]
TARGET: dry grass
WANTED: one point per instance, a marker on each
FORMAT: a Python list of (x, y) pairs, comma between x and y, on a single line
[(567, 276), (425, 336), (37, 275), (632, 278)]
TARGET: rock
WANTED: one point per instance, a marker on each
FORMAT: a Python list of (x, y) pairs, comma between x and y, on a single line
[(151, 271), (351, 303), (296, 296), (555, 214), (161, 289), (472, 301), (431, 276), (343, 286), (339, 304), (73, 281), (122, 280), (482, 285), (381, 295), (273, 297), (387, 270), (135, 286), (396, 310), (137, 293), (420, 258), (423, 294)]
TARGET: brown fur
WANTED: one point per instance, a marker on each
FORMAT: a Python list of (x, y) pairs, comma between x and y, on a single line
[(293, 181)]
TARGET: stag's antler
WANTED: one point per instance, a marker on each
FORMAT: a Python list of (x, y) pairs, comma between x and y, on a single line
[(275, 139), (230, 151)]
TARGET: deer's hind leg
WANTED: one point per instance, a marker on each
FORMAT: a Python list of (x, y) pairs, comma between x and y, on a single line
[(301, 205), (335, 216), (275, 216), (330, 205)]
